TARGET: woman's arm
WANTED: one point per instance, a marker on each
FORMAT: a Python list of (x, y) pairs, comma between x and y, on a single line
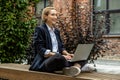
[(38, 41)]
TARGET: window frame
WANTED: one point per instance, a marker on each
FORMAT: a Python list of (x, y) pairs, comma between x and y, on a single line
[(107, 16)]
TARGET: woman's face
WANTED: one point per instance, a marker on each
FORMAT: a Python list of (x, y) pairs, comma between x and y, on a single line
[(52, 17)]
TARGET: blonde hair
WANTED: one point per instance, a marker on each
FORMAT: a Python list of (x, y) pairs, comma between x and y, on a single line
[(46, 12)]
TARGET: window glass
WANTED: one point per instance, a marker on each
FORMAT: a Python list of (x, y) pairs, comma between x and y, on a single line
[(99, 23), (114, 4), (40, 6), (100, 4), (115, 23)]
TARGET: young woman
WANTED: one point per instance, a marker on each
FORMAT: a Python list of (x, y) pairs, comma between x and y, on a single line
[(50, 53)]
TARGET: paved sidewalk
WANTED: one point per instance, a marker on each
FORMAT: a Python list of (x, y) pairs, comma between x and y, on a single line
[(108, 66)]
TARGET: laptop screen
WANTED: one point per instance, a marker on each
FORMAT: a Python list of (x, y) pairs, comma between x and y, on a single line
[(82, 52)]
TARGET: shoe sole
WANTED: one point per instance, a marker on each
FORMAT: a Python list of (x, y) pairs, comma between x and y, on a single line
[(71, 71)]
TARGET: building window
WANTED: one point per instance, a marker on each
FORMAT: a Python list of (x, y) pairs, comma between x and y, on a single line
[(115, 26), (110, 10), (40, 5), (100, 4), (114, 4)]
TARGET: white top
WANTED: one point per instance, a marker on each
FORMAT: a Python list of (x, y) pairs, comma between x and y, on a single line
[(54, 41)]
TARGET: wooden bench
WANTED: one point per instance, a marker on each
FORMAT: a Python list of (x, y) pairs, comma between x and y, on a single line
[(20, 72)]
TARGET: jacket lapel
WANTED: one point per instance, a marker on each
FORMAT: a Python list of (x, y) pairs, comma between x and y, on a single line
[(47, 36)]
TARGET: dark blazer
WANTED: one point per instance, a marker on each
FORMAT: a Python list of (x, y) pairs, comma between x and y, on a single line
[(41, 42)]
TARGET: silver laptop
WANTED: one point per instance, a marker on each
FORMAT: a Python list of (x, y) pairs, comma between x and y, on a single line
[(82, 52)]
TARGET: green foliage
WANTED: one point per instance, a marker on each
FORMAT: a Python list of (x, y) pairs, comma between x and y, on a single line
[(16, 26)]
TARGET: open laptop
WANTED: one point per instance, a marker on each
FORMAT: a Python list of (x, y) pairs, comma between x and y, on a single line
[(82, 52)]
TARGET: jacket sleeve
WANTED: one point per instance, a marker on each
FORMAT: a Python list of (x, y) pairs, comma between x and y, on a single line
[(39, 41)]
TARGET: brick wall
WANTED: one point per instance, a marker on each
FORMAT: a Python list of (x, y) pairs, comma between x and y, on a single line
[(112, 52), (63, 6)]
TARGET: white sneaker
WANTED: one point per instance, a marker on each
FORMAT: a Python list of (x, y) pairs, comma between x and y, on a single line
[(88, 68), (71, 71)]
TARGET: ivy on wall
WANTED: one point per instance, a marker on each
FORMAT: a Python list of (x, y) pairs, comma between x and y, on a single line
[(16, 27)]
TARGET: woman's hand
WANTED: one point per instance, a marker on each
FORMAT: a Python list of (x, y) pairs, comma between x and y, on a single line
[(50, 54), (68, 56), (71, 55)]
